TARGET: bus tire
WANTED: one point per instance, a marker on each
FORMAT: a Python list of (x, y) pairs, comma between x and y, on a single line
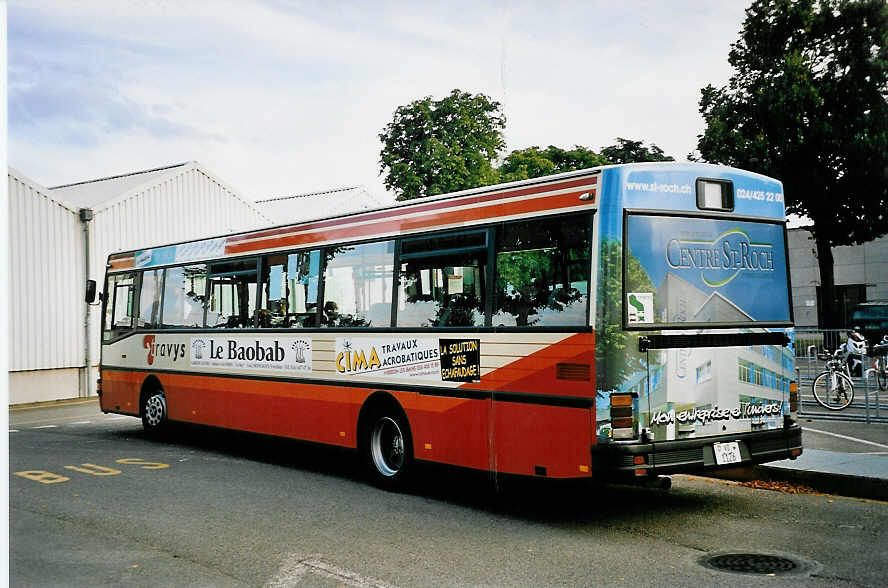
[(388, 448), (154, 411)]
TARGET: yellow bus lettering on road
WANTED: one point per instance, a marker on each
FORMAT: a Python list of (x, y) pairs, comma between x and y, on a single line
[(95, 470), (42, 476), (146, 465)]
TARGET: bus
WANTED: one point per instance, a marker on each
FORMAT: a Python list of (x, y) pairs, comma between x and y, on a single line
[(617, 323)]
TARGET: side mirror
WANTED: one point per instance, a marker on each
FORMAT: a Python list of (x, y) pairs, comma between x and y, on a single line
[(90, 291)]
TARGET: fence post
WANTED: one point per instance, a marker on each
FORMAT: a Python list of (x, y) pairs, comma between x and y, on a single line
[(866, 385)]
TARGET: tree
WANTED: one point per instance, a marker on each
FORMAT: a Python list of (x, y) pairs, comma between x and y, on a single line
[(522, 164), (629, 151), (808, 104), (438, 146)]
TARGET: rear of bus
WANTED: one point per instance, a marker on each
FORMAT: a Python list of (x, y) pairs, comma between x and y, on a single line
[(694, 360)]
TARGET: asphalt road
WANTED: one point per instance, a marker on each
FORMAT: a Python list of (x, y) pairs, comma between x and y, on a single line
[(93, 502)]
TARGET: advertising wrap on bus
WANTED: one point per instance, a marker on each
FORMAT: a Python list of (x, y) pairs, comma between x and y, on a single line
[(695, 273), (703, 271)]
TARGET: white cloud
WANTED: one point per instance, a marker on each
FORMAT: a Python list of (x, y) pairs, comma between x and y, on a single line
[(282, 97)]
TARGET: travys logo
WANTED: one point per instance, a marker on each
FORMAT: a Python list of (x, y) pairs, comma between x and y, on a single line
[(173, 351), (721, 259)]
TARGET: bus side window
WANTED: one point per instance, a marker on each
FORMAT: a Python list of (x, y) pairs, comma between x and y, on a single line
[(149, 299), (289, 297), (232, 294), (542, 272), (119, 307), (184, 296), (442, 282), (358, 285)]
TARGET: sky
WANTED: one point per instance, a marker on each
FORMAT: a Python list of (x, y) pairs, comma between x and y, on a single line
[(283, 97)]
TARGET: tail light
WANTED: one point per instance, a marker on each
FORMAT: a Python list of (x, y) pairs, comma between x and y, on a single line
[(623, 416), (793, 397)]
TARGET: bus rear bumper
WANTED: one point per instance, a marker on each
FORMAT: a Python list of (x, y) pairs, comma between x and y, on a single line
[(627, 461)]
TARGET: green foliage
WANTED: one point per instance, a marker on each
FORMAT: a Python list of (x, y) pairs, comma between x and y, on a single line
[(616, 351), (629, 151), (438, 146), (807, 105), (523, 164)]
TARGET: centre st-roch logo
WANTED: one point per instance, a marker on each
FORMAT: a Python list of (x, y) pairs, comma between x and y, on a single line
[(721, 259), (289, 354)]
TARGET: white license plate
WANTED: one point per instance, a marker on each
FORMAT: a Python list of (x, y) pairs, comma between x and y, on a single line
[(727, 452)]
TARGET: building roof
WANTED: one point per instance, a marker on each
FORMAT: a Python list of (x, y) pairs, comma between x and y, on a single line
[(103, 193), (93, 193), (326, 203), (18, 176)]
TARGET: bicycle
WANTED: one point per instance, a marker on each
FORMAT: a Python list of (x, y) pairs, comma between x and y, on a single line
[(833, 388), (880, 359)]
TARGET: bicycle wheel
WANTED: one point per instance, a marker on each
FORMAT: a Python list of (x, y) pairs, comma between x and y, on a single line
[(833, 396)]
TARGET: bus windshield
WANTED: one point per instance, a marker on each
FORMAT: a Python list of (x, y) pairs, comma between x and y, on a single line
[(692, 271)]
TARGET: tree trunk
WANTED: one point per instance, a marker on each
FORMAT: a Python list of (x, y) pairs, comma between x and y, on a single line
[(829, 305)]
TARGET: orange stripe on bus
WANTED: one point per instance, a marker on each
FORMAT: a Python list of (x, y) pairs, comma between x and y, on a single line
[(413, 209), (548, 203)]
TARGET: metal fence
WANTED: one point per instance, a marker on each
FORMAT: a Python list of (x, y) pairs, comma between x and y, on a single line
[(870, 404)]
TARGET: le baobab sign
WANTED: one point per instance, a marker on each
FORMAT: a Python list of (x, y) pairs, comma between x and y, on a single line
[(290, 354)]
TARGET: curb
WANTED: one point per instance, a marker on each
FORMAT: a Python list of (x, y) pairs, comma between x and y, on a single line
[(827, 483)]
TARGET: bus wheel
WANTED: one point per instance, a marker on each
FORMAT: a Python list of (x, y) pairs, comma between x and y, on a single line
[(154, 411), (388, 449)]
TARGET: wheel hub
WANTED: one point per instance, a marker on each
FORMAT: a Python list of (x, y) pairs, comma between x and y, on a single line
[(387, 447), (155, 409)]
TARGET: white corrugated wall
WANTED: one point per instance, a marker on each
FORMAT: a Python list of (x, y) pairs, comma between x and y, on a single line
[(46, 278)]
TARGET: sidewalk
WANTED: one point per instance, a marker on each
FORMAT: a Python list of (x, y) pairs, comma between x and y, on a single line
[(862, 475), (849, 459)]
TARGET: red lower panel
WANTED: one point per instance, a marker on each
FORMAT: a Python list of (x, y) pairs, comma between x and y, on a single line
[(530, 436), (454, 431), (120, 391), (450, 430)]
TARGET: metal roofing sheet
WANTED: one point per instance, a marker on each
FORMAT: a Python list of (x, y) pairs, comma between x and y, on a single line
[(92, 193)]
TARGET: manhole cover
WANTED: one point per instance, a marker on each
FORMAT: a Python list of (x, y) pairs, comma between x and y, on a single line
[(752, 563)]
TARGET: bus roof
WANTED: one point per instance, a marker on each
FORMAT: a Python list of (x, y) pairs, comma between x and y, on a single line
[(524, 198)]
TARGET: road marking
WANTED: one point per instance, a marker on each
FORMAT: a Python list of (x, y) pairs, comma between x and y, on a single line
[(95, 470), (80, 423), (146, 465), (42, 476), (294, 568), (46, 427), (846, 437), (13, 430)]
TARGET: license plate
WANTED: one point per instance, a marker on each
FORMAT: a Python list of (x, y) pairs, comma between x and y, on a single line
[(727, 452)]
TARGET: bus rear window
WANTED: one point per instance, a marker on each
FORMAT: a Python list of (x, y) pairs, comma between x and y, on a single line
[(681, 272)]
